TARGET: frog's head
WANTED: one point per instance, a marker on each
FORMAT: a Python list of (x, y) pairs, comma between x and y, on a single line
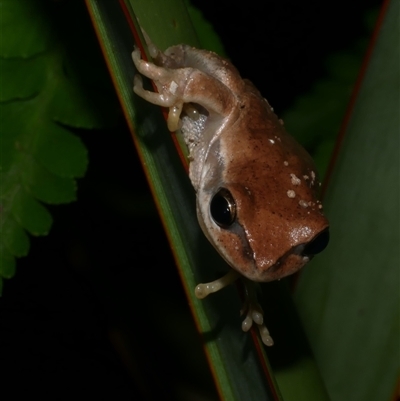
[(261, 210), (263, 236)]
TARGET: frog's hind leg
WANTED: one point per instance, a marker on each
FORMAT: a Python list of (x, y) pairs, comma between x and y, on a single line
[(160, 99), (150, 70), (177, 86), (162, 77)]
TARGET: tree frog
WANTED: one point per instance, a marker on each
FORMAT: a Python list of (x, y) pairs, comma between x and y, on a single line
[(256, 186)]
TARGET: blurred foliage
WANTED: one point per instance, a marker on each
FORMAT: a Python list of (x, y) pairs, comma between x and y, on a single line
[(348, 299), (42, 95)]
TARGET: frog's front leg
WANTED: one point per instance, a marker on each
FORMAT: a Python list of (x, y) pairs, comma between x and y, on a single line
[(177, 86), (252, 309)]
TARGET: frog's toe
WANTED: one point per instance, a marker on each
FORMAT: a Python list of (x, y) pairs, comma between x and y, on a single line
[(154, 51), (265, 337), (255, 314), (136, 56)]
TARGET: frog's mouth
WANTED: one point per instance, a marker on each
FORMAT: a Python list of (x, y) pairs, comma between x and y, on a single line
[(288, 264)]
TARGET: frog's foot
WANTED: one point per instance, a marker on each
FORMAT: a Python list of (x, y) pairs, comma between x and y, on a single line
[(178, 84), (251, 307), (168, 90), (254, 313)]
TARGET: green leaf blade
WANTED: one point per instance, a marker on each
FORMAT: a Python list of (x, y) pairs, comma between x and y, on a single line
[(44, 94), (354, 328)]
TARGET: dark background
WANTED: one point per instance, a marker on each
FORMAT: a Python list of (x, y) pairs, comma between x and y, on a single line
[(78, 317)]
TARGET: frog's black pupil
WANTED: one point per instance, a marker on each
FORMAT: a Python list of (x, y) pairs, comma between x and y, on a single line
[(318, 244), (222, 208)]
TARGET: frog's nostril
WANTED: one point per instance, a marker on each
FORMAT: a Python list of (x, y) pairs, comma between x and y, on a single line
[(317, 245)]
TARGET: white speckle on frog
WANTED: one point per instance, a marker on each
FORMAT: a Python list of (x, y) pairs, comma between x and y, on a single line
[(285, 163), (291, 194), (281, 121), (295, 180), (173, 87), (303, 203), (306, 177), (248, 190), (272, 141)]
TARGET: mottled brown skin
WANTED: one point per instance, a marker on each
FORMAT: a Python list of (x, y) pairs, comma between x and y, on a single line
[(244, 148), (270, 226)]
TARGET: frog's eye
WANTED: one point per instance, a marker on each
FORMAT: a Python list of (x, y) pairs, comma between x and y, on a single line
[(223, 208)]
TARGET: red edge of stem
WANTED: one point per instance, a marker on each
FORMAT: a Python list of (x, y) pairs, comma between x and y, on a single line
[(396, 392), (264, 367)]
